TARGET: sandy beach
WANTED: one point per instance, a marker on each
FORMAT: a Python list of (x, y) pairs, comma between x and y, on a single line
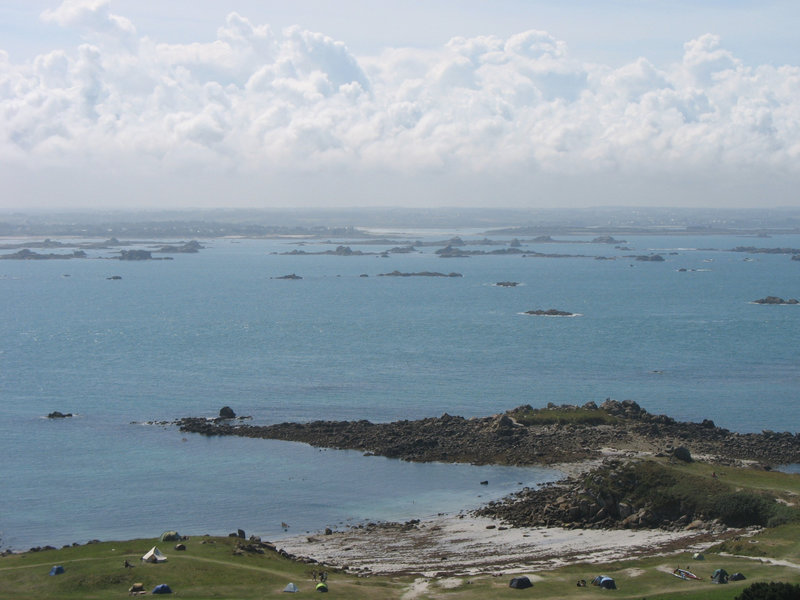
[(465, 545)]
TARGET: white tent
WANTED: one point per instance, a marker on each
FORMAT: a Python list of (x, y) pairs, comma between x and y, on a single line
[(154, 556), (291, 588)]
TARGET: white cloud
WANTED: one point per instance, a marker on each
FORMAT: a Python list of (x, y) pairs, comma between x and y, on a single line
[(254, 102), (94, 18)]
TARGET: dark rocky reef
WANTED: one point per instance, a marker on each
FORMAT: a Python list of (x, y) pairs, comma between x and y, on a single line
[(775, 300), (453, 252), (754, 250), (506, 284), (419, 274), (58, 415), (607, 239), (650, 258), (513, 438), (553, 255), (550, 312), (340, 251), (290, 276), (26, 254), (135, 255)]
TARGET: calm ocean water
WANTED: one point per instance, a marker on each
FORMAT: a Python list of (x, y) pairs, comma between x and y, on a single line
[(188, 336)]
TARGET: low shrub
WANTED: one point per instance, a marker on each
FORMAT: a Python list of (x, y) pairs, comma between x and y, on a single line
[(770, 591), (740, 509), (565, 416)]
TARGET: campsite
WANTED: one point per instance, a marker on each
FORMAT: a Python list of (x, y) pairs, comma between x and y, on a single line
[(210, 568), (202, 566)]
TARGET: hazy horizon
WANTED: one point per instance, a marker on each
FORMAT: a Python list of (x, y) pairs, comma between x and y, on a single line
[(115, 104)]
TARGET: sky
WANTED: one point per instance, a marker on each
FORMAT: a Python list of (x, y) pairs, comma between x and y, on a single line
[(138, 104)]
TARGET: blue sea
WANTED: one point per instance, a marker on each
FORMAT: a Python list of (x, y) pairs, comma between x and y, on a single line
[(185, 337)]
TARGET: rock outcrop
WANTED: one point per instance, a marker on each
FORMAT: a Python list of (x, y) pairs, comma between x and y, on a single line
[(506, 438), (776, 300), (58, 415), (419, 274), (550, 312)]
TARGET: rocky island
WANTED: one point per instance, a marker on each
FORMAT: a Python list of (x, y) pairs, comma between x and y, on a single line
[(26, 254)]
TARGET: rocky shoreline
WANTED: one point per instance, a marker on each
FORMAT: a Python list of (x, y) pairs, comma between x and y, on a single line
[(508, 439)]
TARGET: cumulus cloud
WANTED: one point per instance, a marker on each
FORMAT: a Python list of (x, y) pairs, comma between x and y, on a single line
[(254, 100), (94, 18)]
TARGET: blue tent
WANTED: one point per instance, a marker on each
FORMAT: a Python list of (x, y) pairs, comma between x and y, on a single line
[(162, 588), (604, 582), (57, 570)]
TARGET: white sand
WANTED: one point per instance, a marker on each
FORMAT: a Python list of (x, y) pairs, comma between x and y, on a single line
[(463, 545)]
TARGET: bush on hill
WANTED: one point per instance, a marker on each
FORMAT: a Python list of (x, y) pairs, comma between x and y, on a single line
[(770, 591)]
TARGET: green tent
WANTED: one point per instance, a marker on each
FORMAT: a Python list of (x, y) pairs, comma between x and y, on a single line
[(720, 576)]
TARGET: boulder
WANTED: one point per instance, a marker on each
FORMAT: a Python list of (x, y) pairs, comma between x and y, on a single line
[(682, 453), (226, 412)]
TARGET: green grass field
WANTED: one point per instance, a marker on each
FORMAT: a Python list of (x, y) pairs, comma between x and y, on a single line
[(208, 568)]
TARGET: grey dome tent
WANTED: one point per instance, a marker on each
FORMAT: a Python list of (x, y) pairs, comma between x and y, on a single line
[(57, 570), (719, 576), (520, 583), (290, 587)]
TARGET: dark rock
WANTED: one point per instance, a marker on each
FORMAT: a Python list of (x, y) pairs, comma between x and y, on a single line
[(754, 250), (506, 284), (551, 312), (290, 276), (226, 412), (607, 239), (776, 300), (135, 255), (419, 274), (187, 248), (58, 415), (26, 254)]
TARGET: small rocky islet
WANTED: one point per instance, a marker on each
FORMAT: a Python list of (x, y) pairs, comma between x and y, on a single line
[(550, 312), (775, 300)]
